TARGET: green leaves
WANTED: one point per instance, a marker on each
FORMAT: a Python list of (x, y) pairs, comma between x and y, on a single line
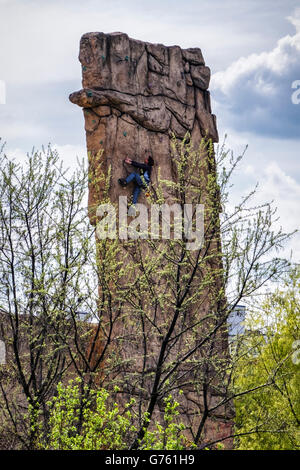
[(270, 416), (158, 311), (83, 419)]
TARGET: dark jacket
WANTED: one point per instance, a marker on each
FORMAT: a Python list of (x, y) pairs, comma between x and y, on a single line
[(145, 169)]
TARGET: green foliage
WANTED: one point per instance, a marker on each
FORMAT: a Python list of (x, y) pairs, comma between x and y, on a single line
[(84, 419), (167, 435), (269, 417), (158, 309)]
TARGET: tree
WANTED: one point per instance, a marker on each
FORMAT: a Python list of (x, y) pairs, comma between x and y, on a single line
[(159, 309), (104, 425), (47, 261), (175, 313), (269, 418)]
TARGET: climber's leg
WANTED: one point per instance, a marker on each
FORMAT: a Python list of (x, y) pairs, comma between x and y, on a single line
[(134, 177), (138, 185), (136, 193)]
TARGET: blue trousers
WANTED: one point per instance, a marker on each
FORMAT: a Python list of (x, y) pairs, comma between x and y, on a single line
[(139, 184)]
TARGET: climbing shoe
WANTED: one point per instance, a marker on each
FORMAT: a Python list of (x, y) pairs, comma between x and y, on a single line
[(122, 182)]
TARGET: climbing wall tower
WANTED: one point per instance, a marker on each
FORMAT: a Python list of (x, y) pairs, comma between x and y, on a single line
[(135, 97)]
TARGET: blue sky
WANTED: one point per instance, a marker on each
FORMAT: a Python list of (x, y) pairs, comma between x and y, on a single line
[(251, 46)]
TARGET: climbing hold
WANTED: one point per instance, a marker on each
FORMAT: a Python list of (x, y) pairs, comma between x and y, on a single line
[(103, 57), (84, 68), (124, 133), (93, 121), (126, 58), (89, 93), (101, 142)]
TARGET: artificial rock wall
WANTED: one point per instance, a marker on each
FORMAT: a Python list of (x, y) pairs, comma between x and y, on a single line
[(135, 96)]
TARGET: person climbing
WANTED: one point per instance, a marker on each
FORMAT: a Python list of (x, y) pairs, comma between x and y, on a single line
[(141, 180)]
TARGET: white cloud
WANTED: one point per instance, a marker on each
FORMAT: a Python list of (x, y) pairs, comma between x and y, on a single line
[(254, 92), (16, 154), (284, 190), (69, 154), (11, 128), (284, 55), (295, 19), (43, 37), (273, 164)]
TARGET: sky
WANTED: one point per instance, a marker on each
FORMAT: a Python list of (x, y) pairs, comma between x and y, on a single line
[(251, 46)]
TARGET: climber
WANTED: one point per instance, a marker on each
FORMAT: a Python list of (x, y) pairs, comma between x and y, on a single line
[(141, 180)]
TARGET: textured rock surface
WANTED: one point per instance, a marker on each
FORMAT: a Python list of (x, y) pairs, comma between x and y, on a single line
[(135, 95)]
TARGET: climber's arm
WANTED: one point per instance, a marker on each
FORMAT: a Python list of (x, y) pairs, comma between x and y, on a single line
[(143, 166)]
